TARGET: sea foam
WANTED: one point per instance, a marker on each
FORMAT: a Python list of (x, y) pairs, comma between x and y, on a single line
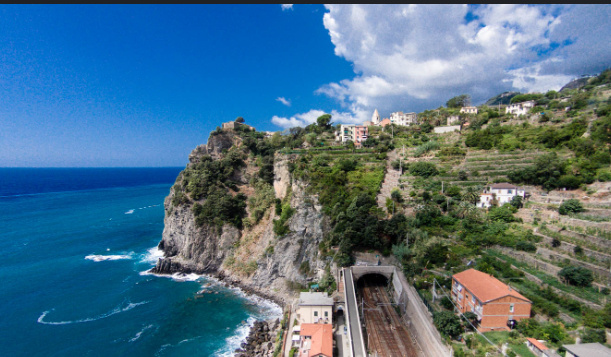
[(152, 255), (114, 311), (130, 211), (233, 342), (101, 258)]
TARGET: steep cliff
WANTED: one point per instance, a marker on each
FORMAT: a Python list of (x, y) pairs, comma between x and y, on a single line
[(251, 255)]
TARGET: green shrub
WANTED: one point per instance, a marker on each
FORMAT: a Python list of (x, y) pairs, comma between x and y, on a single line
[(594, 335), (447, 323), (577, 276), (423, 168), (571, 206)]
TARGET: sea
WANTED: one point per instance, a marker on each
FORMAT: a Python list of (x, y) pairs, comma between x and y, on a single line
[(76, 245)]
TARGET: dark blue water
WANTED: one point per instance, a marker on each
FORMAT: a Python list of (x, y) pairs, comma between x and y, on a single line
[(74, 248)]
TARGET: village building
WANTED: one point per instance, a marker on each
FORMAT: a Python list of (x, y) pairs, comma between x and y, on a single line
[(368, 123), (453, 120), (536, 347), (230, 125), (385, 122), (314, 308), (520, 108), (468, 110), (587, 350), (499, 193), (496, 305), (316, 340), (404, 119), (352, 132), (375, 118)]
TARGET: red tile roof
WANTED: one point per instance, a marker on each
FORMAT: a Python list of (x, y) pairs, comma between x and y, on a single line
[(537, 344), (322, 338), (485, 287)]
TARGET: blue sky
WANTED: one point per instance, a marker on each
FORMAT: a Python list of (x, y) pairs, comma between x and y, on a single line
[(144, 85)]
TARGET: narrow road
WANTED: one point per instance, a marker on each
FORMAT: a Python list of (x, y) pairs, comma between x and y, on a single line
[(356, 332)]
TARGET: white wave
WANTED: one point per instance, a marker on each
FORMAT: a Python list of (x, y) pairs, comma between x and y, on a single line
[(101, 258), (140, 333), (176, 276), (130, 211), (152, 255), (233, 342), (115, 311)]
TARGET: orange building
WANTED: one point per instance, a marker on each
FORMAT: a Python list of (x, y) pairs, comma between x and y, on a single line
[(316, 340), (494, 303)]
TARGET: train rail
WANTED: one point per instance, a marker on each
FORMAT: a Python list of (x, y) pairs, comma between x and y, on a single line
[(387, 335)]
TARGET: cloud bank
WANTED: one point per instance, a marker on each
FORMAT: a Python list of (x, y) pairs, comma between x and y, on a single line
[(414, 57), (305, 119)]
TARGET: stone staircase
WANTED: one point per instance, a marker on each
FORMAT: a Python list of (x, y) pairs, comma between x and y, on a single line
[(391, 180)]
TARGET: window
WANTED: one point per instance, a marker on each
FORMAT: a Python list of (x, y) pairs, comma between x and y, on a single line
[(315, 313), (511, 308), (509, 192), (472, 299), (326, 313)]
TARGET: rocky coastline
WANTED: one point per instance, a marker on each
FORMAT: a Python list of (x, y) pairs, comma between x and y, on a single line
[(260, 340), (165, 266)]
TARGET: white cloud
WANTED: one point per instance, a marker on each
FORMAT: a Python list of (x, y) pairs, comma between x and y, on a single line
[(286, 7), (284, 101), (305, 119), (413, 57)]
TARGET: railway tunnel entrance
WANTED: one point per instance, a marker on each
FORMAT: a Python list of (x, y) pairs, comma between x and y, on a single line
[(384, 332)]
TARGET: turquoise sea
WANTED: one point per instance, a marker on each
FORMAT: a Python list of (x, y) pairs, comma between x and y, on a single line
[(75, 246)]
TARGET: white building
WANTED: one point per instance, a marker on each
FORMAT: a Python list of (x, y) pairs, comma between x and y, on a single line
[(520, 108), (375, 118), (502, 192), (468, 110), (405, 119), (314, 308), (453, 120)]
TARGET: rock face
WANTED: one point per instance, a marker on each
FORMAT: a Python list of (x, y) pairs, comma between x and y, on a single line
[(274, 260), (260, 340)]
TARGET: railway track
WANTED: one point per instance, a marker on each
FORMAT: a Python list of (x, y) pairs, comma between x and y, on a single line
[(387, 336)]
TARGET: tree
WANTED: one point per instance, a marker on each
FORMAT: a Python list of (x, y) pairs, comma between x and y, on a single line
[(577, 276), (463, 100), (396, 196), (423, 168), (446, 303), (239, 120), (462, 175), (447, 323), (516, 201), (570, 206), (324, 121), (556, 242)]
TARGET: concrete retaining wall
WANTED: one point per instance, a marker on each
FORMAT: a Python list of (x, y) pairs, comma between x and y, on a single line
[(418, 319)]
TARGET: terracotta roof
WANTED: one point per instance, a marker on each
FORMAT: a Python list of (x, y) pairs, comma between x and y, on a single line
[(485, 287), (503, 185), (322, 338), (537, 344)]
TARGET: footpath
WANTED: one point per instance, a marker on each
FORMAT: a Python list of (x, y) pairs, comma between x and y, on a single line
[(391, 180)]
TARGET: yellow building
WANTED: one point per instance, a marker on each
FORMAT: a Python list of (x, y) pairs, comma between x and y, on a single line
[(314, 308)]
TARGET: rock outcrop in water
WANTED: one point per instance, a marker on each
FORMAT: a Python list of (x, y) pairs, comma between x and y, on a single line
[(254, 258)]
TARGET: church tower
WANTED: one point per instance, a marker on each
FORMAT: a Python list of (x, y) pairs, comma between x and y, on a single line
[(376, 118)]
